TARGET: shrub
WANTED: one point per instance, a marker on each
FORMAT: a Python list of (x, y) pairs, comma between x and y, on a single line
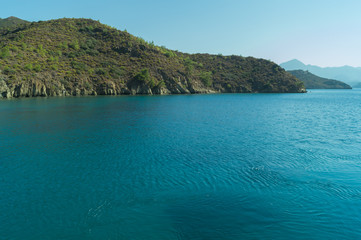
[(151, 44), (89, 44), (206, 78), (72, 55), (7, 70), (169, 53), (37, 68), (100, 71), (40, 50), (90, 28), (161, 84), (189, 64), (74, 45), (80, 66), (63, 45), (142, 76), (92, 52), (115, 72), (53, 59), (28, 67), (14, 48), (4, 52), (151, 83), (54, 67)]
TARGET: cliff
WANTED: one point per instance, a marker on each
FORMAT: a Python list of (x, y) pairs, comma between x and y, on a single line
[(66, 57)]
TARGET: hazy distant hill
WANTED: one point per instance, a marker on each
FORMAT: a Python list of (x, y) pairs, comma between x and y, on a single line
[(347, 74), (11, 21), (358, 85), (312, 81)]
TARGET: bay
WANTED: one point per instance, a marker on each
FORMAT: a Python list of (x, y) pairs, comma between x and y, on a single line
[(222, 166)]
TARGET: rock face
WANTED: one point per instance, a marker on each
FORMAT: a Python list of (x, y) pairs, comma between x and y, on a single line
[(40, 89), (4, 90)]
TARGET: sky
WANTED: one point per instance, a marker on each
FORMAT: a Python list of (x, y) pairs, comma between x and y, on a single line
[(317, 32)]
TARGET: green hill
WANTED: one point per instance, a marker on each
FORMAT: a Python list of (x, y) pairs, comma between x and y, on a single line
[(312, 81), (84, 57), (11, 22)]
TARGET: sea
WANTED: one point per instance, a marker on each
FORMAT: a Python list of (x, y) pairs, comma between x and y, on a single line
[(203, 167)]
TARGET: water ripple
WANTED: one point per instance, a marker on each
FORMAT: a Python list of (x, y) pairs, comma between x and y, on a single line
[(234, 166)]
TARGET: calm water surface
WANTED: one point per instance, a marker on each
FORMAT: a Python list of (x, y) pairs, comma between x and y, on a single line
[(232, 166)]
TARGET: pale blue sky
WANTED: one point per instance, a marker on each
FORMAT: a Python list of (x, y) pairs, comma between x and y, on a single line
[(319, 32)]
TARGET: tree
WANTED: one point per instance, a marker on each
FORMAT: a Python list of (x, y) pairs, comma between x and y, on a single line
[(206, 78)]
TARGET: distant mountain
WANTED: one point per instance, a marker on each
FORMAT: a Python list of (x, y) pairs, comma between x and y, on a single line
[(347, 74), (312, 81), (11, 21), (293, 65), (358, 85)]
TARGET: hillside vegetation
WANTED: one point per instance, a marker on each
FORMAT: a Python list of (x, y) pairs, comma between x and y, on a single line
[(312, 81), (84, 57)]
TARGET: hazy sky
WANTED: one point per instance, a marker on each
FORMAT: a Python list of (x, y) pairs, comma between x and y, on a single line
[(319, 32)]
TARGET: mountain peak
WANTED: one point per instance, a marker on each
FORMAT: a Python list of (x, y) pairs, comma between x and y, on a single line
[(11, 21), (295, 61), (293, 64), (12, 18)]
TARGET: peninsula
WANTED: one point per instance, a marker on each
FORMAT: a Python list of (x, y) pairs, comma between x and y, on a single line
[(312, 81), (73, 57)]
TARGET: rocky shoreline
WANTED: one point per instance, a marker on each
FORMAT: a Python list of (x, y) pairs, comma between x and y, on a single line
[(41, 89)]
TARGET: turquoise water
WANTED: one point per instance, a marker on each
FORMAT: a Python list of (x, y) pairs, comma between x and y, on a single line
[(229, 166)]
